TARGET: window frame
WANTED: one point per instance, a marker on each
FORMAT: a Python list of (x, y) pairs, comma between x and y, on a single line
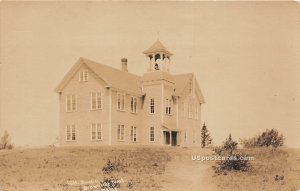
[(98, 129), (96, 97), (70, 132), (168, 106), (133, 104), (152, 132), (120, 132), (133, 134), (83, 76), (71, 103), (151, 105), (120, 101)]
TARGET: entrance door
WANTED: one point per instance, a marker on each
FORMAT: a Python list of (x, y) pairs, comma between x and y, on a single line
[(174, 138), (167, 137)]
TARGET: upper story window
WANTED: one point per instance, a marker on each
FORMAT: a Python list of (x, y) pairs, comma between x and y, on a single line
[(183, 109), (70, 133), (96, 130), (133, 134), (152, 134), (121, 133), (121, 102), (152, 105), (83, 76), (168, 106), (190, 110), (133, 104), (96, 100), (71, 104), (196, 112)]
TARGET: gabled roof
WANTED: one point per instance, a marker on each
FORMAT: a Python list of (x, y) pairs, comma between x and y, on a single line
[(125, 81), (111, 76), (157, 47), (181, 81)]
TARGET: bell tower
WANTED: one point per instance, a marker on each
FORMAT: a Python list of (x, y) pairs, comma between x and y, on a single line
[(159, 58)]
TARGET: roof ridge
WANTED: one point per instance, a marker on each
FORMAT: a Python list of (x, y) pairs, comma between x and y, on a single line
[(116, 69)]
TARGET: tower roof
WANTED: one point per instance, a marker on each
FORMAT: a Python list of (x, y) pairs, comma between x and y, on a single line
[(156, 48)]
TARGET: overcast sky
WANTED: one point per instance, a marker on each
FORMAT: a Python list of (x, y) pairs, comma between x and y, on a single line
[(245, 57)]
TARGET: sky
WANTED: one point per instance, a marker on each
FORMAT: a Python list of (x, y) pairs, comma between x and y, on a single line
[(245, 56)]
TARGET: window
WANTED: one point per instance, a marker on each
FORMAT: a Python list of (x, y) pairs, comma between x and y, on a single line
[(70, 133), (183, 109), (133, 104), (120, 132), (96, 131), (96, 100), (151, 133), (196, 112), (185, 137), (133, 134), (168, 106), (70, 103), (121, 102), (83, 76), (190, 110), (152, 105)]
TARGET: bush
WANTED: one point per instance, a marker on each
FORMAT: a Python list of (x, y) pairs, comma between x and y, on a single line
[(116, 165), (232, 161), (232, 164), (5, 141), (269, 138)]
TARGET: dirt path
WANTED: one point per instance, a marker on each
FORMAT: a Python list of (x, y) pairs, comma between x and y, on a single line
[(182, 173)]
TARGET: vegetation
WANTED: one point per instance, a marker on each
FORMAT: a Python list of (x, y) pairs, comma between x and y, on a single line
[(116, 165), (231, 157), (206, 139), (269, 138), (5, 141)]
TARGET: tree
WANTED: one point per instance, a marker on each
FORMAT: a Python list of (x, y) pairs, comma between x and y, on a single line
[(205, 137), (5, 141), (230, 145), (269, 138)]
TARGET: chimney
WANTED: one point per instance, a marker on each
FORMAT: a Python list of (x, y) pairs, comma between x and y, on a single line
[(124, 64)]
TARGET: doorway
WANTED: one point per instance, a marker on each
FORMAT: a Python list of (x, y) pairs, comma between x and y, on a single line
[(174, 138)]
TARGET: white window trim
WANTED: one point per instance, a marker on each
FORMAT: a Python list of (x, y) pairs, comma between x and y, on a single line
[(97, 125), (83, 76), (133, 131), (135, 100), (168, 106), (124, 97), (190, 111), (71, 103), (153, 134), (196, 112), (71, 132), (96, 100), (183, 109), (150, 106), (120, 126)]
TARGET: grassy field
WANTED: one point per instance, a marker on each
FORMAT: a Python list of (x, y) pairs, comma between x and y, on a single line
[(142, 168), (268, 164)]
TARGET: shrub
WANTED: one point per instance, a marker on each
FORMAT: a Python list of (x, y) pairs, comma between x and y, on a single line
[(232, 161), (116, 165), (5, 141), (269, 138), (232, 164)]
